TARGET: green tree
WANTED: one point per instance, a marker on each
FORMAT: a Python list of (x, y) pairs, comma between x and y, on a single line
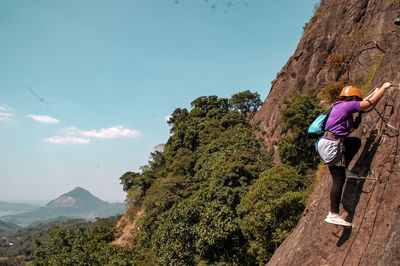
[(271, 209), (208, 103), (297, 148), (173, 240), (245, 101), (130, 179)]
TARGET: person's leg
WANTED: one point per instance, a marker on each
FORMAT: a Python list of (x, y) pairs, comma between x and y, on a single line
[(338, 177), (351, 147)]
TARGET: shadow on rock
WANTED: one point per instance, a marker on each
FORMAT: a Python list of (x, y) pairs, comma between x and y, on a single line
[(354, 187)]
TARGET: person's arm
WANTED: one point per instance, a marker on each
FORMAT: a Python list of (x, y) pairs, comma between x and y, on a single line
[(369, 96), (374, 98)]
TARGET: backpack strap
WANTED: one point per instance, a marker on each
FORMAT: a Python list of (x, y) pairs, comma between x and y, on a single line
[(329, 113)]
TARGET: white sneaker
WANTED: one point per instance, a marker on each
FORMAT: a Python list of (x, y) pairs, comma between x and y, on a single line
[(336, 219)]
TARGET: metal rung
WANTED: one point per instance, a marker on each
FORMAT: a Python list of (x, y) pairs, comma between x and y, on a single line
[(352, 175), (361, 177), (392, 127)]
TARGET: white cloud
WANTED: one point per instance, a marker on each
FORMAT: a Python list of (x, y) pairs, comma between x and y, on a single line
[(73, 135), (104, 133), (67, 140), (6, 113), (5, 107), (4, 116), (43, 119)]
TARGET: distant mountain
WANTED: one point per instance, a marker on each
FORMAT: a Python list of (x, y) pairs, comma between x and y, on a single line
[(7, 227), (7, 208), (78, 203)]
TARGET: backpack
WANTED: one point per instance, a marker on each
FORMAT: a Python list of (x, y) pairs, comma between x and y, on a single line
[(317, 127)]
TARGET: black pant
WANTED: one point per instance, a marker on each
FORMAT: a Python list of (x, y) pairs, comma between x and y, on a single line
[(351, 147)]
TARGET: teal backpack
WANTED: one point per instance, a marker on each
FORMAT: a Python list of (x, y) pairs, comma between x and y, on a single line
[(317, 127)]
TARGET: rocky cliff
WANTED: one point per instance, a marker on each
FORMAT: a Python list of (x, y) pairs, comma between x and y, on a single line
[(347, 41)]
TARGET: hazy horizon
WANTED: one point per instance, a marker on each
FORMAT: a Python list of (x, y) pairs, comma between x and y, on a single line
[(44, 201)]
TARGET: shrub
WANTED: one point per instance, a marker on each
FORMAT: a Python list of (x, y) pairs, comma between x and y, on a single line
[(331, 92), (297, 148), (271, 209), (337, 61)]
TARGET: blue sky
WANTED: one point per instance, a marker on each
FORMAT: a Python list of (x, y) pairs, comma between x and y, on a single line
[(86, 86)]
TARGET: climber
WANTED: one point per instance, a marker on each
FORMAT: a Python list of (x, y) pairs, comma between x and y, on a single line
[(336, 149)]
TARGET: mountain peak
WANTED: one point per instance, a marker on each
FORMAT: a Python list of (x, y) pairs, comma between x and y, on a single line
[(76, 198), (79, 190), (77, 203)]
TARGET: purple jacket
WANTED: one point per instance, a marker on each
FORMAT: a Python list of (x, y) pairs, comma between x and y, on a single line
[(339, 112)]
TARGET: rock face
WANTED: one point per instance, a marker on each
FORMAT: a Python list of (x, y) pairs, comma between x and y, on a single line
[(364, 32), (63, 201), (361, 29)]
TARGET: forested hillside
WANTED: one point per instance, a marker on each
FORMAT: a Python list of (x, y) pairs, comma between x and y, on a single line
[(18, 245), (57, 238), (211, 194), (5, 227)]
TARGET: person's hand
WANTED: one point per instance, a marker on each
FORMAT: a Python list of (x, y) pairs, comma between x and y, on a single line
[(386, 85)]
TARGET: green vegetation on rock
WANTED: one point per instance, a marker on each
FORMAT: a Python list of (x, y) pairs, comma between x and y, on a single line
[(297, 148)]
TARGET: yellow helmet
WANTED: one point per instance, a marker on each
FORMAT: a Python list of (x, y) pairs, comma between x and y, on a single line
[(351, 91)]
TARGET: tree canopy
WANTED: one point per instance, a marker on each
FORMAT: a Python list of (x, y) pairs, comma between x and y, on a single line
[(246, 101)]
